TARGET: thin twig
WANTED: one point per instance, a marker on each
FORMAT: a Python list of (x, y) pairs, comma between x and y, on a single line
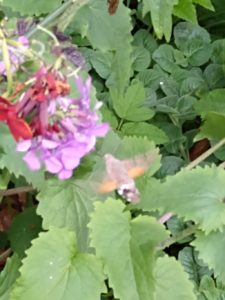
[(18, 190)]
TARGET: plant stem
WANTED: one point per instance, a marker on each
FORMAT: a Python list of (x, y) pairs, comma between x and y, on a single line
[(51, 17), (18, 190), (206, 154), (120, 124), (185, 233)]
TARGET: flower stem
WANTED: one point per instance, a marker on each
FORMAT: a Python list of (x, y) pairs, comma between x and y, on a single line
[(206, 154), (14, 191)]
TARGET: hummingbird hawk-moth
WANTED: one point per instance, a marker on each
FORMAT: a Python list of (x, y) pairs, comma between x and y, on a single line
[(120, 174)]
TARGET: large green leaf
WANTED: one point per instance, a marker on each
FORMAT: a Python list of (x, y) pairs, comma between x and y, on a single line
[(195, 195), (131, 243), (161, 15), (32, 7), (67, 204), (164, 57), (211, 250), (132, 107), (8, 276), (13, 160), (61, 272), (171, 281)]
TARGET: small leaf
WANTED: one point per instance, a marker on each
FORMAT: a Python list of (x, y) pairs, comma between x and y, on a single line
[(141, 58), (150, 78), (23, 229), (205, 3), (166, 269), (8, 276), (214, 125), (185, 10), (164, 57), (161, 15), (195, 268), (152, 132), (214, 74), (131, 107), (194, 42), (143, 38), (212, 101), (67, 272)]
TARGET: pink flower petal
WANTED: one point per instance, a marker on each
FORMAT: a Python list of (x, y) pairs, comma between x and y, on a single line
[(33, 162), (23, 146), (70, 162), (53, 165), (49, 144), (65, 174)]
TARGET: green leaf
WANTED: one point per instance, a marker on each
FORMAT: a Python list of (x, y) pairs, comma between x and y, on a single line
[(212, 101), (194, 42), (171, 281), (152, 132), (25, 227), (102, 62), (150, 78), (109, 116), (210, 248), (204, 3), (214, 125), (214, 74), (218, 55), (161, 15), (68, 274), (8, 276), (164, 57), (13, 160), (67, 204), (141, 58), (108, 33), (195, 268), (195, 195), (170, 165), (143, 38), (185, 10), (131, 107), (208, 289), (114, 234), (32, 7)]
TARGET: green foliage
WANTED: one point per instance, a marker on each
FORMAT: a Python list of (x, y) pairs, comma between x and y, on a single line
[(166, 269), (59, 271), (131, 242), (32, 7), (12, 160), (8, 276)]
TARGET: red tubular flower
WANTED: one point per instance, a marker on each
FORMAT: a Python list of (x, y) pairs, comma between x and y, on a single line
[(18, 126)]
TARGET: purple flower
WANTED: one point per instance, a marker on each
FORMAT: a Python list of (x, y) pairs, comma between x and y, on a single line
[(72, 133)]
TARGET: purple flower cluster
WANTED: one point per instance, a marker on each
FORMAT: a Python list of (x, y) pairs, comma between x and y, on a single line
[(71, 134)]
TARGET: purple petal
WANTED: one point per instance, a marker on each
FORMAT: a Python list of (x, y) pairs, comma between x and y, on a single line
[(33, 162), (70, 162), (53, 165), (65, 174), (23, 146), (49, 144), (101, 129)]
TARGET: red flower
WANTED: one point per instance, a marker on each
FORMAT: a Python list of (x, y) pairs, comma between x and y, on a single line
[(18, 126)]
